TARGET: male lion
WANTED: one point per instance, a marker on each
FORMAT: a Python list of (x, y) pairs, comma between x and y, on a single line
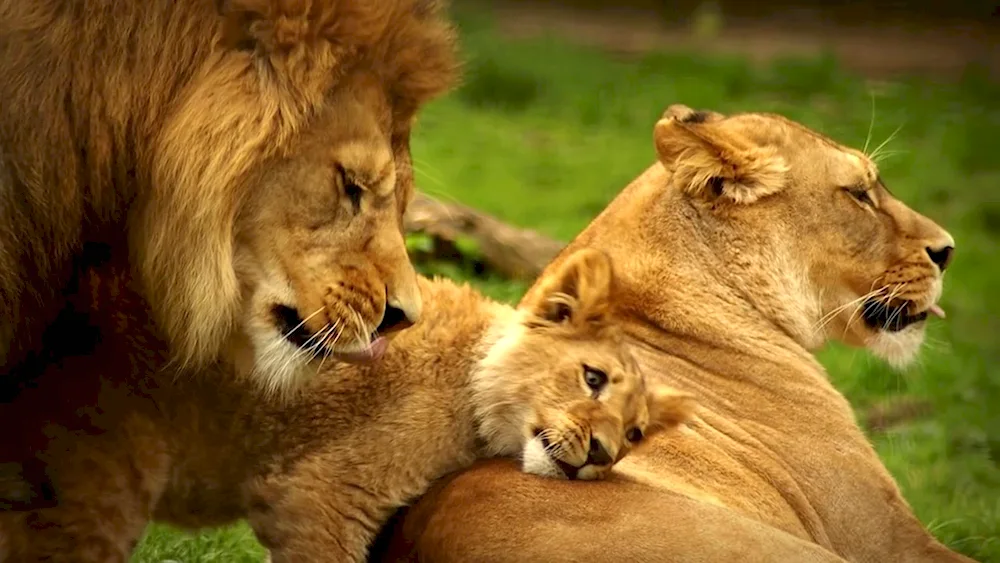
[(251, 154), (551, 382), (752, 242)]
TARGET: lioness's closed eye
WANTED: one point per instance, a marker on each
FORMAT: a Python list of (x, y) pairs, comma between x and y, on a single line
[(579, 396)]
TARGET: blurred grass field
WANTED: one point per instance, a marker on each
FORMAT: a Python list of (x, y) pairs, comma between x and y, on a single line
[(544, 134)]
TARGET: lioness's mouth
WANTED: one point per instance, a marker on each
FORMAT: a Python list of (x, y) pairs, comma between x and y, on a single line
[(894, 318), (294, 330)]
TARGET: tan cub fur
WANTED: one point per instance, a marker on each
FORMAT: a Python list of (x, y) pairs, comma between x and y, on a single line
[(550, 382)]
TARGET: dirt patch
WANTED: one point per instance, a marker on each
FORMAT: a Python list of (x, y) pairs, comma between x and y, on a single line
[(887, 49)]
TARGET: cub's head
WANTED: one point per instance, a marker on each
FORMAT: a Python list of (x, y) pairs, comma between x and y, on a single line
[(281, 181), (812, 224), (558, 385)]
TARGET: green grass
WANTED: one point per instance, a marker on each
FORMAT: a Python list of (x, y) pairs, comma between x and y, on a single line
[(544, 134)]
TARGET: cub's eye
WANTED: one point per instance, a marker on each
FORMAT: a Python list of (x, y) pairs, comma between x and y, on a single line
[(633, 435), (594, 378), (861, 195)]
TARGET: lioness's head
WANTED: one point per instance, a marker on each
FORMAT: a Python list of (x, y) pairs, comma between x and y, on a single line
[(812, 223), (558, 385), (281, 180)]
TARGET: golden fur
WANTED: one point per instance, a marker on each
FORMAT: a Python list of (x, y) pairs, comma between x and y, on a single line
[(250, 154), (551, 383), (752, 242)]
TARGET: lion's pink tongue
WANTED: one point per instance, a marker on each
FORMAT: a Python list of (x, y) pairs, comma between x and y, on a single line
[(936, 310), (372, 353)]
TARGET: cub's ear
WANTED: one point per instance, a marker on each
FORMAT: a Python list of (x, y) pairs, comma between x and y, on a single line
[(577, 291), (711, 161), (668, 408)]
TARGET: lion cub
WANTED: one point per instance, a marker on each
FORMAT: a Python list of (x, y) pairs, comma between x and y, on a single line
[(550, 382)]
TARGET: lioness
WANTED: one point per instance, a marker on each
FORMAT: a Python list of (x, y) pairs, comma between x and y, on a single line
[(550, 382), (752, 242)]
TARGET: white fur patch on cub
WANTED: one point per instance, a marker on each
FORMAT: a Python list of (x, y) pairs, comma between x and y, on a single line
[(538, 462)]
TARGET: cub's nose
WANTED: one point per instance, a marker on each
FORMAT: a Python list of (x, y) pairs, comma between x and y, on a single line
[(598, 454), (941, 256)]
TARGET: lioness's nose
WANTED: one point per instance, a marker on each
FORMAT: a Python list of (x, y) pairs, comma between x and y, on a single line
[(941, 255)]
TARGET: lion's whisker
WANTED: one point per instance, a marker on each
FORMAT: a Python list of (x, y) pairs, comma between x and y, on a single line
[(275, 344), (336, 335)]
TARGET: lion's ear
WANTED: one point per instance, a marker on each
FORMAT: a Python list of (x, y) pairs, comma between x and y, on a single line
[(238, 18), (279, 26), (710, 161), (668, 407), (578, 291)]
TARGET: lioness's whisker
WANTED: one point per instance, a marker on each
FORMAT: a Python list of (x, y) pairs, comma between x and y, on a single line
[(871, 124), (829, 317), (879, 305), (875, 153), (898, 310)]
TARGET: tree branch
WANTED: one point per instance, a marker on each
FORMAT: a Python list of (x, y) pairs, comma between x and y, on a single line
[(510, 251)]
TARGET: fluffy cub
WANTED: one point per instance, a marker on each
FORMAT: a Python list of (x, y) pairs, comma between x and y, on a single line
[(550, 382)]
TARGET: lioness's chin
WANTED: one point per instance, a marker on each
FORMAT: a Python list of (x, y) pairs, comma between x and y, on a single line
[(899, 348)]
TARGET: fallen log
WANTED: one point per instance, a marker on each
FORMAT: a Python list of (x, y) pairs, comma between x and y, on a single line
[(508, 250)]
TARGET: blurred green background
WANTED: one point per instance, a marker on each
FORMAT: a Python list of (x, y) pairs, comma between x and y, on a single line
[(545, 131)]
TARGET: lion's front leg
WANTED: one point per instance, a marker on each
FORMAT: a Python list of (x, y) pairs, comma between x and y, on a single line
[(107, 485)]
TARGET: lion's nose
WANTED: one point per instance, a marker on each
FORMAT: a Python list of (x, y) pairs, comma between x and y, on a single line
[(941, 256), (394, 319), (598, 454)]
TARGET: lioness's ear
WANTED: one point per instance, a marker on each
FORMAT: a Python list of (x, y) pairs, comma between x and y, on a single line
[(711, 161), (578, 291), (668, 407)]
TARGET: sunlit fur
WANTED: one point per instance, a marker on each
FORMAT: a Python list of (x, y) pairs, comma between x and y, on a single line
[(740, 252), (316, 475), (167, 125)]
